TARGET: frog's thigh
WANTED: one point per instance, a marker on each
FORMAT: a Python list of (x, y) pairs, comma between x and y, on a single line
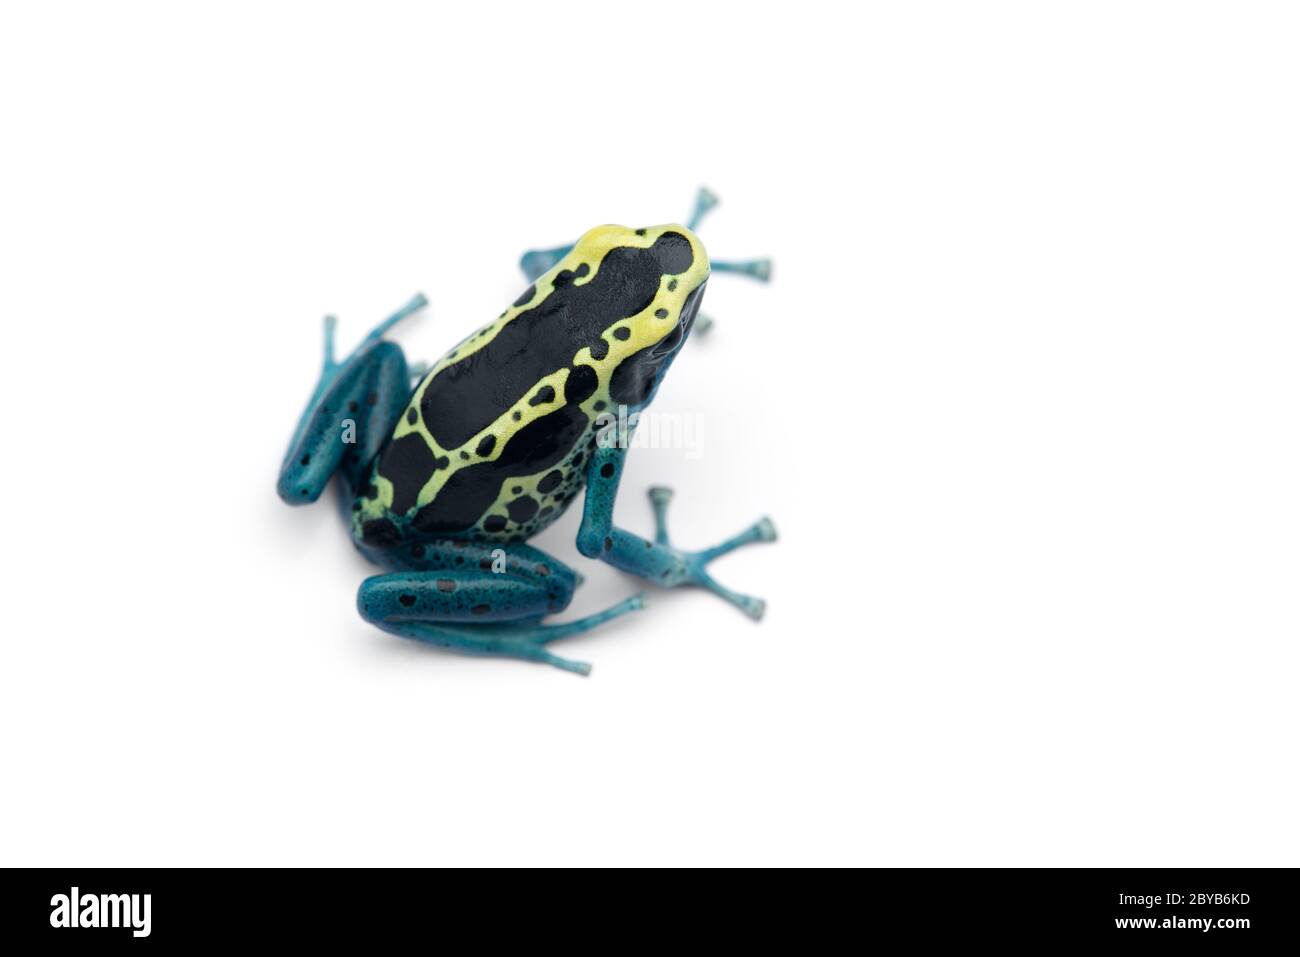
[(453, 596), (477, 612), (515, 558), (352, 411)]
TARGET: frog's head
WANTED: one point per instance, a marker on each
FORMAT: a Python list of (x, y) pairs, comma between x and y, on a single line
[(640, 293)]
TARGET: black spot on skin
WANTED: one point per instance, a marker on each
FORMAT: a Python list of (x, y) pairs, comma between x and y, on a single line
[(565, 276), (580, 385), (352, 407), (607, 470), (525, 297), (661, 313), (635, 378), (485, 564), (406, 600), (305, 460), (471, 393), (640, 232), (470, 491), (486, 445), (441, 462), (599, 349), (545, 512), (623, 333), (672, 285), (494, 523), (550, 481), (417, 551), (464, 455), (380, 532), (481, 609), (516, 415), (522, 509), (545, 395), (609, 543), (516, 490), (408, 463), (445, 584), (411, 416), (599, 405)]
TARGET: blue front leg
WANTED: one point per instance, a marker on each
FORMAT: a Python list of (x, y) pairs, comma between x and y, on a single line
[(656, 561)]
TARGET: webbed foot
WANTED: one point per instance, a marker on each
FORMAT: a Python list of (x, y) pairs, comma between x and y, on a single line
[(536, 638), (692, 567)]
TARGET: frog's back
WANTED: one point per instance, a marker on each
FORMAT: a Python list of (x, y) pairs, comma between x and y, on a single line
[(495, 439)]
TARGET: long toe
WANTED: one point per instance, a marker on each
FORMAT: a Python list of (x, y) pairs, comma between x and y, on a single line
[(544, 634), (568, 664), (761, 531), (751, 606)]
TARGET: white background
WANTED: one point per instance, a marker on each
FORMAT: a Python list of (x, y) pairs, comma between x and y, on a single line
[(1021, 401)]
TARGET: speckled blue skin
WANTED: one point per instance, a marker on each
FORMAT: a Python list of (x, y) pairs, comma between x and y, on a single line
[(483, 597), (374, 378)]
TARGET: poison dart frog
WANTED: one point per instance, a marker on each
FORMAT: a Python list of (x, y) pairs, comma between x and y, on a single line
[(528, 413)]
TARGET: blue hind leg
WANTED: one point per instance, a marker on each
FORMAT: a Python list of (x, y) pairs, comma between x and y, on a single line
[(352, 409), (479, 599), (537, 261)]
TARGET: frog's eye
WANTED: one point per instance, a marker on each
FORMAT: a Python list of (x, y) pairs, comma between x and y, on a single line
[(673, 340)]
